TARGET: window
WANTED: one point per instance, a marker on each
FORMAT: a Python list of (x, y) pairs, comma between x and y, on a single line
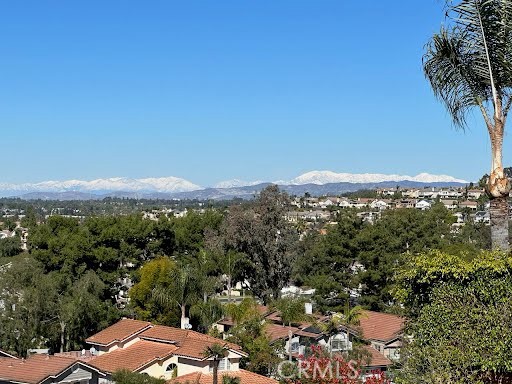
[(295, 347), (224, 365), (171, 368), (338, 345)]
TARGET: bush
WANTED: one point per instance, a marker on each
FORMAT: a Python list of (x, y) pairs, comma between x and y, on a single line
[(461, 316)]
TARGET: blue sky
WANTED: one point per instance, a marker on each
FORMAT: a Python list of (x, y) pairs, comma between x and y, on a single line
[(215, 90)]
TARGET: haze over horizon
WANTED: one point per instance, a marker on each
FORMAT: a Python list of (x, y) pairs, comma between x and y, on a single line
[(232, 90)]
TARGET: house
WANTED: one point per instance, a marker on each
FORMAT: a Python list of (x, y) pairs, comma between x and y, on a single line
[(344, 203), (428, 193), (423, 205), (450, 193), (472, 205), (475, 194), (380, 204), (406, 203), (45, 369), (482, 217), (159, 351), (387, 191), (383, 331), (326, 203), (449, 204), (411, 193)]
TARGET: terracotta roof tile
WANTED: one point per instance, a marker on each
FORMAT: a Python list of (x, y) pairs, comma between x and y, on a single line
[(377, 359), (33, 370), (190, 343), (381, 326), (246, 377), (119, 331), (276, 332), (134, 357)]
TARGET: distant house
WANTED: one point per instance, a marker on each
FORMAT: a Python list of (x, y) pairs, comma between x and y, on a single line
[(411, 193), (386, 191), (45, 369), (450, 194), (380, 204), (344, 203), (473, 205), (449, 204), (406, 203), (325, 203), (482, 217), (423, 205), (475, 194)]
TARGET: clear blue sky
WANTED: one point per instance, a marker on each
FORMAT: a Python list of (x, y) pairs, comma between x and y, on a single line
[(215, 90)]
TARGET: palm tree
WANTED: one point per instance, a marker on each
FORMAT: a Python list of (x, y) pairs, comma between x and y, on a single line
[(216, 352), (207, 313), (469, 65), (291, 310), (183, 292), (350, 318)]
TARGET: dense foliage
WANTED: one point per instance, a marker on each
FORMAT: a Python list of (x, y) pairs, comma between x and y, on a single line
[(460, 312)]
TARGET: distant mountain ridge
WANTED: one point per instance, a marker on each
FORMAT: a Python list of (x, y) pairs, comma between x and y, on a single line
[(314, 182)]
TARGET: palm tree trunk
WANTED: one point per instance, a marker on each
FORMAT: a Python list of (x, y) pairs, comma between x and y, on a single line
[(498, 190), (215, 371), (499, 223)]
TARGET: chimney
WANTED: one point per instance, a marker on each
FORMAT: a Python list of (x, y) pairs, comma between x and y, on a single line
[(185, 323), (308, 308)]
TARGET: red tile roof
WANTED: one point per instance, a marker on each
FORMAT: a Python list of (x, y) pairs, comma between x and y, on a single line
[(276, 332), (246, 377), (119, 331), (381, 326), (377, 359), (35, 369), (134, 357), (190, 343)]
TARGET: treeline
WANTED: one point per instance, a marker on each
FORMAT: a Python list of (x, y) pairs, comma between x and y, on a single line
[(65, 287)]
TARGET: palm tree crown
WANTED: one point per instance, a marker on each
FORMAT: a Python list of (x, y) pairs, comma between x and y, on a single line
[(469, 65)]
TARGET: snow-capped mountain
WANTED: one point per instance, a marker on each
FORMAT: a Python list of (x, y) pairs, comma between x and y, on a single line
[(235, 183), (319, 182), (162, 184), (326, 177)]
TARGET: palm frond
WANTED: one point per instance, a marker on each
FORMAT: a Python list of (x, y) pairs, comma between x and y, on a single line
[(448, 67), (469, 63)]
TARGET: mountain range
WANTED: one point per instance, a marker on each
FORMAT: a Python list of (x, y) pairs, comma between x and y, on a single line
[(314, 182)]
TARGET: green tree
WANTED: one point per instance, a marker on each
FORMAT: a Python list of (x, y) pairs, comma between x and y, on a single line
[(468, 65), (325, 262), (267, 239), (153, 274), (10, 246)]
